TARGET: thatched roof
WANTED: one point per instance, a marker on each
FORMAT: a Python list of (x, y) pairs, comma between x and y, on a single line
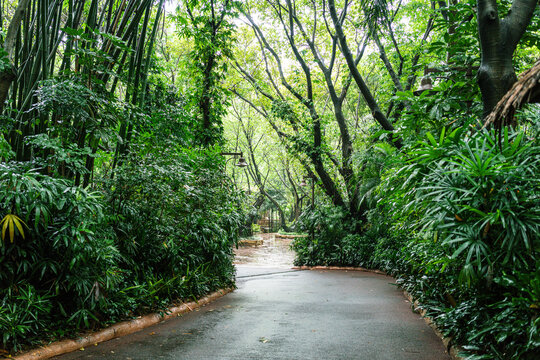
[(525, 90)]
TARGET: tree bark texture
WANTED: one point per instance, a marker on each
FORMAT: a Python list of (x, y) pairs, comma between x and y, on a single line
[(498, 41)]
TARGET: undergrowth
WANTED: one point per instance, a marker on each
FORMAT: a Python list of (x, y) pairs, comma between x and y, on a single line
[(457, 222)]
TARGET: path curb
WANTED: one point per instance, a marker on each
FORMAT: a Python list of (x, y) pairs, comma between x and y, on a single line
[(285, 236), (452, 350), (350, 268), (117, 330)]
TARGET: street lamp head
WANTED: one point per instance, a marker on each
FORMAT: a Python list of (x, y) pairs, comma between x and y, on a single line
[(425, 84), (241, 162)]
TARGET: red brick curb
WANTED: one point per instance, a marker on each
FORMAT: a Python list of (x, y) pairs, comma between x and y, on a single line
[(453, 350), (116, 330), (349, 268)]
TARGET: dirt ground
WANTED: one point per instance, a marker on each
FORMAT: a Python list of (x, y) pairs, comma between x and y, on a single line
[(273, 252)]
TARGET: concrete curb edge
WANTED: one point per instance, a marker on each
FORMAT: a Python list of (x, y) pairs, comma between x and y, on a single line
[(284, 236), (117, 330), (453, 350)]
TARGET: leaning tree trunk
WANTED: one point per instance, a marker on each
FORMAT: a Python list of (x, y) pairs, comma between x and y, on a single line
[(498, 41)]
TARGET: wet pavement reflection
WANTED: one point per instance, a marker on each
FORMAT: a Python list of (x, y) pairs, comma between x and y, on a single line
[(273, 252)]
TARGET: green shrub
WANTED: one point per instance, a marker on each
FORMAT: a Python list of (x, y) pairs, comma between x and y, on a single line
[(457, 222), (481, 199), (325, 226), (23, 313), (64, 266), (331, 240), (471, 206), (178, 220), (70, 260)]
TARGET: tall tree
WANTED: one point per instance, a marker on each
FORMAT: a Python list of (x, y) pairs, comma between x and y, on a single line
[(8, 72), (499, 38), (378, 115), (209, 24), (309, 81), (315, 148)]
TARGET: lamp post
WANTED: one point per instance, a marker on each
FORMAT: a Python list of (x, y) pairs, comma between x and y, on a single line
[(303, 183), (426, 83), (241, 162)]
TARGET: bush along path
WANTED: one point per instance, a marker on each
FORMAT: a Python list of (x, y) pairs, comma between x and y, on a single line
[(117, 330), (457, 223), (114, 202), (73, 259)]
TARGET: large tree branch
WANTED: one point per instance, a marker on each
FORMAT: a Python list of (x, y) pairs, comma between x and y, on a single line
[(382, 54), (267, 46), (250, 103), (362, 86), (345, 139), (251, 80), (518, 18), (498, 41), (267, 69), (315, 155)]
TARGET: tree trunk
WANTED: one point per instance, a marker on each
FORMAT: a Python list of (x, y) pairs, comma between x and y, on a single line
[(316, 153), (254, 212), (8, 75), (498, 41), (362, 86)]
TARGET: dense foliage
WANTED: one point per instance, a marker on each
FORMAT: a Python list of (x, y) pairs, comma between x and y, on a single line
[(457, 222), (113, 201), (80, 259)]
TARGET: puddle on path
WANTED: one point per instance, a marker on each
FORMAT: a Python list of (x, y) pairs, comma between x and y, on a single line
[(274, 252)]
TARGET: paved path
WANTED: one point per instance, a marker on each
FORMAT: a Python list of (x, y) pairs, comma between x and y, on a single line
[(281, 314), (274, 252)]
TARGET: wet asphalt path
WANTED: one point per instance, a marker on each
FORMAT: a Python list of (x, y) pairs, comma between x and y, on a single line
[(277, 313)]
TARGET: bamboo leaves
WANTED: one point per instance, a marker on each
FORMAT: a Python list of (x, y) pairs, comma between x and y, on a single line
[(10, 222), (95, 41)]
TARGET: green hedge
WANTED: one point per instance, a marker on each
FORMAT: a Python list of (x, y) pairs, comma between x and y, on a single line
[(161, 230)]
